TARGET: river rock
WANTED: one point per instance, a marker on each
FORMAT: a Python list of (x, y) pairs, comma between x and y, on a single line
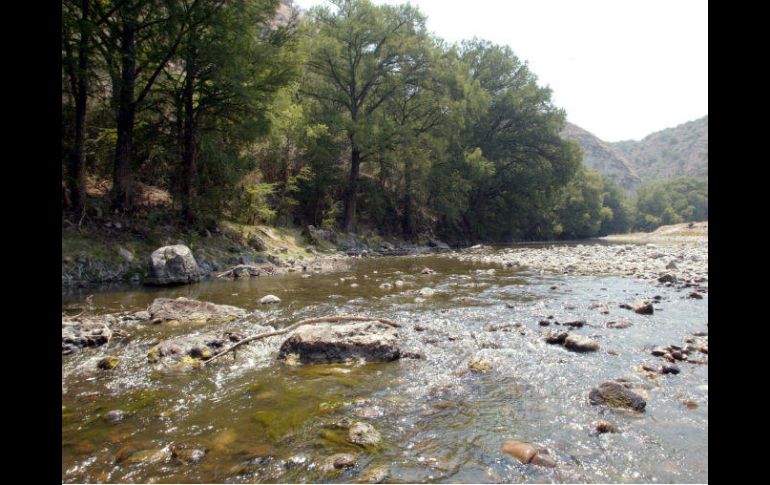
[(524, 452), (579, 343), (619, 324), (186, 348), (375, 474), (75, 335), (527, 453), (615, 395), (107, 363), (575, 324), (480, 365), (427, 292), (659, 351), (556, 337), (427, 271), (115, 416), (269, 300), (339, 461), (171, 265), (342, 341), (667, 278), (669, 369), (605, 427), (187, 310), (644, 308), (363, 434), (188, 454), (435, 243)]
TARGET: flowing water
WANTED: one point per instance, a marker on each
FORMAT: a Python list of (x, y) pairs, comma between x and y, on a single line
[(263, 421)]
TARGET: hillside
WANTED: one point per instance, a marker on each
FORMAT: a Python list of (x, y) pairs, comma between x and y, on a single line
[(603, 158), (673, 152)]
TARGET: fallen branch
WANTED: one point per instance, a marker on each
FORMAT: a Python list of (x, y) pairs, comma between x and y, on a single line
[(309, 321), (226, 273)]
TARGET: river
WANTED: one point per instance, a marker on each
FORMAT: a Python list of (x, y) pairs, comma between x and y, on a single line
[(262, 421)]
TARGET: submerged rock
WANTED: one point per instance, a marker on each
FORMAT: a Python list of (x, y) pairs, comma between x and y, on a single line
[(605, 427), (643, 309), (340, 342), (187, 349), (579, 343), (187, 310), (363, 434), (615, 395), (338, 461), (527, 453), (269, 299), (107, 363), (556, 337), (375, 474), (172, 265), (480, 365), (76, 335)]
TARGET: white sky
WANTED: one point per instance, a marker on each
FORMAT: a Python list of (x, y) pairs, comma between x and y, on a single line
[(622, 69)]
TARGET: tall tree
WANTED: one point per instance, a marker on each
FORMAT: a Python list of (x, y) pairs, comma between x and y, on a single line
[(232, 60), (139, 39), (76, 41), (363, 54)]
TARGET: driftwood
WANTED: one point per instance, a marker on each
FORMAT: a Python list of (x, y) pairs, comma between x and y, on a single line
[(309, 321)]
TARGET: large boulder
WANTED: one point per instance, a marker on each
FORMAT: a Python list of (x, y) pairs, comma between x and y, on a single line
[(615, 395), (172, 265), (317, 236), (340, 342), (187, 310)]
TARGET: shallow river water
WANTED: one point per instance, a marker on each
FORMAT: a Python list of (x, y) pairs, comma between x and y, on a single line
[(263, 421)]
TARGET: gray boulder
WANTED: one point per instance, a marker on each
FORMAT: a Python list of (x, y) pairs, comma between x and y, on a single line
[(186, 310), (172, 265), (340, 342)]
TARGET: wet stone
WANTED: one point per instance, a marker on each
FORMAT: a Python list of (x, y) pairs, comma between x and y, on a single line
[(556, 337), (107, 363), (669, 369), (115, 416), (605, 427), (363, 434), (579, 343), (617, 396), (340, 342)]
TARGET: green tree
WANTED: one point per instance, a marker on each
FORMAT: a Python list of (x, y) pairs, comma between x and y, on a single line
[(362, 56)]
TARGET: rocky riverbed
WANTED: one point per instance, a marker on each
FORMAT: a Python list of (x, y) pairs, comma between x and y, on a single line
[(492, 372)]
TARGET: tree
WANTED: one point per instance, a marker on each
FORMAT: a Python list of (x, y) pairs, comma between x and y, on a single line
[(138, 40), (232, 60), (363, 55)]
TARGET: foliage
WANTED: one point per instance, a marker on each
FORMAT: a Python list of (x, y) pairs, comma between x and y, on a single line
[(353, 116)]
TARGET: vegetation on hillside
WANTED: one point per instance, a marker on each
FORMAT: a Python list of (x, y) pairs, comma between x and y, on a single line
[(351, 117)]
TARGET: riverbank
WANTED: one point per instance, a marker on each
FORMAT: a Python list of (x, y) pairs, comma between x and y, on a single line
[(671, 254), (117, 252)]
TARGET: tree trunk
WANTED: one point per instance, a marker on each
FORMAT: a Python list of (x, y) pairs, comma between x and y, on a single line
[(122, 187), (190, 151), (350, 194), (408, 221), (77, 163)]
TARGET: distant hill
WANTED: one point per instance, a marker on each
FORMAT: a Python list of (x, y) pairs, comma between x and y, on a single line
[(603, 158), (673, 152)]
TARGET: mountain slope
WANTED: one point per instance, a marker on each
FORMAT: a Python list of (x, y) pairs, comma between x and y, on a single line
[(603, 158), (673, 152)]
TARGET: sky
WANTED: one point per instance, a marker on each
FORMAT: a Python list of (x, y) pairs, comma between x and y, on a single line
[(622, 69)]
